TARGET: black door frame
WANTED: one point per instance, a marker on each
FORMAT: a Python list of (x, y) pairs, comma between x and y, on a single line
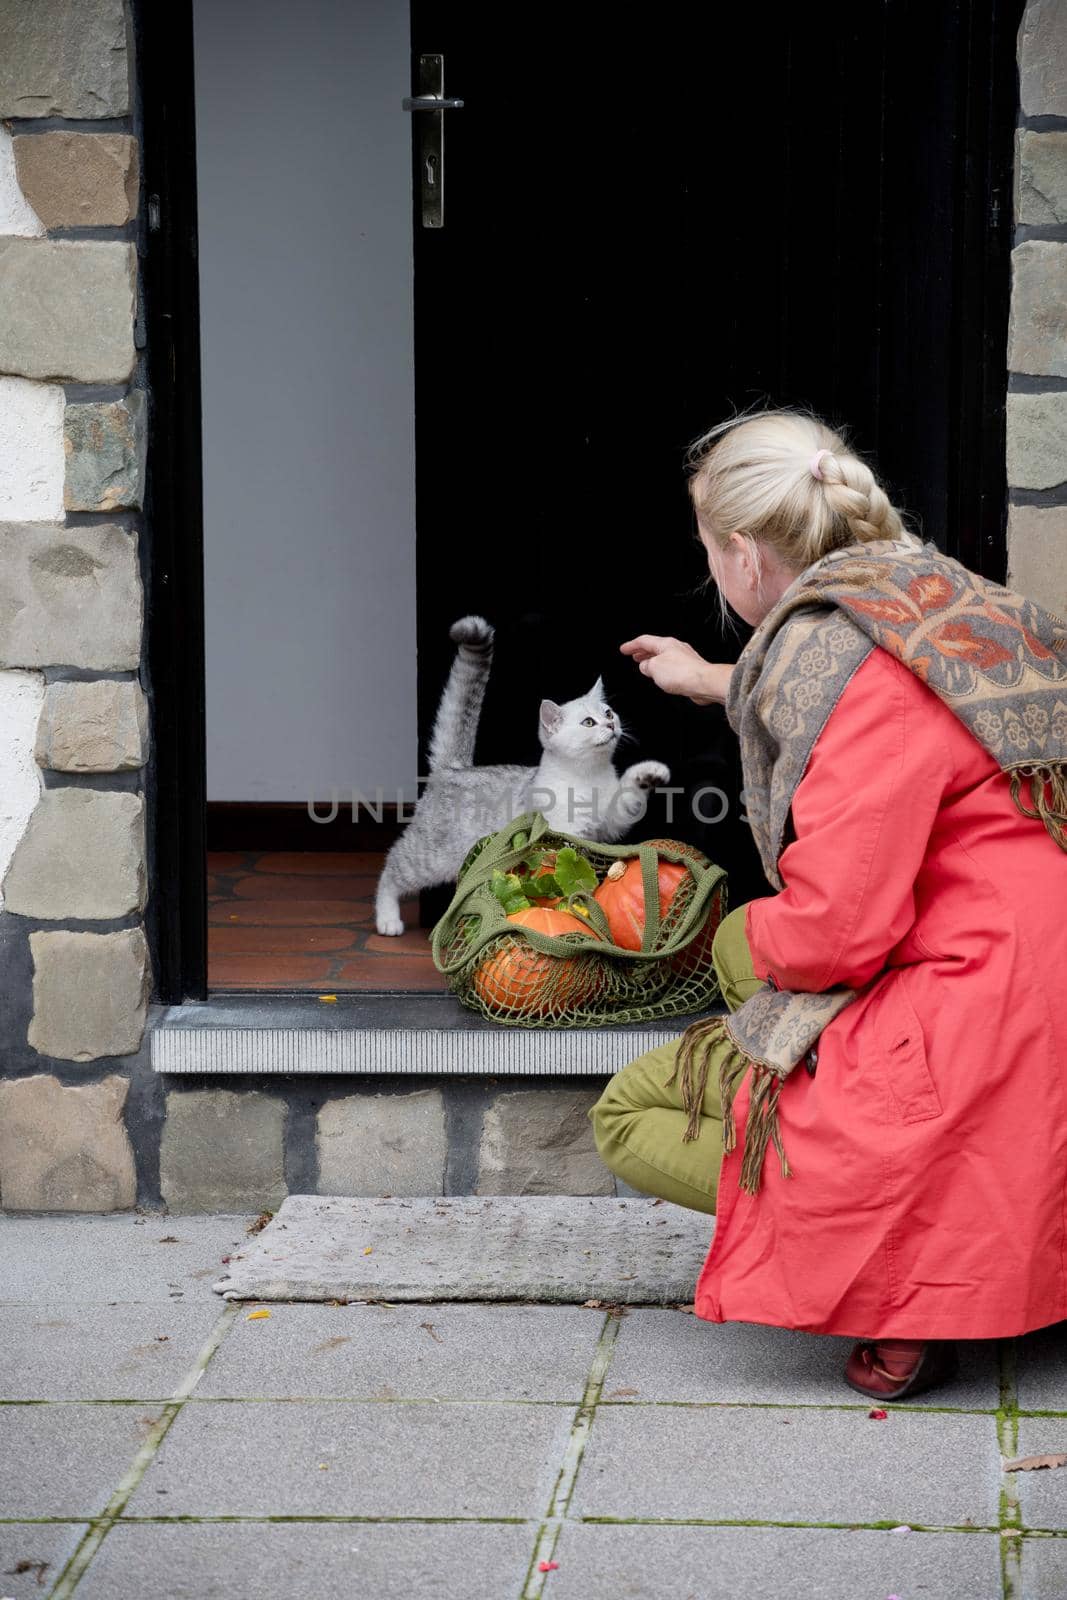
[(174, 568)]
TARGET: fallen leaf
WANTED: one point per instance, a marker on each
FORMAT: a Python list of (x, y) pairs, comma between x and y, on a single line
[(40, 1567), (691, 1308), (658, 1202), (432, 1331), (260, 1222), (876, 1414), (368, 1249), (252, 1315), (618, 1394), (162, 1337), (1032, 1463), (332, 1344), (225, 1260), (168, 1238), (328, 999)]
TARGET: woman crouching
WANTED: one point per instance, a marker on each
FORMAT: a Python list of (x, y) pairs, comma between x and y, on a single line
[(880, 1122)]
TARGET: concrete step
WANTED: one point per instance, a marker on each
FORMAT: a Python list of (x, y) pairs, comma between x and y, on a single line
[(545, 1248)]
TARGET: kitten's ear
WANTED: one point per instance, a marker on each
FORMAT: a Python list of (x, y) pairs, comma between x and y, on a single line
[(551, 715), (597, 691)]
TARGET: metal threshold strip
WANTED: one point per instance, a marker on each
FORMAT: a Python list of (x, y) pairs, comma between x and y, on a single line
[(392, 1035)]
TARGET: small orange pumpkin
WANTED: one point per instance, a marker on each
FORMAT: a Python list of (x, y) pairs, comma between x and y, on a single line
[(516, 977)]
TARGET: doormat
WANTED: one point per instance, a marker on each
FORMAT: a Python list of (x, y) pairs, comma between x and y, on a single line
[(554, 1248)]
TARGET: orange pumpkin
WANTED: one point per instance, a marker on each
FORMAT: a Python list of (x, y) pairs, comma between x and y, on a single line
[(516, 977), (622, 897)]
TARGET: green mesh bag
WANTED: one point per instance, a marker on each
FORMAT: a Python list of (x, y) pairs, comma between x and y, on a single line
[(515, 972)]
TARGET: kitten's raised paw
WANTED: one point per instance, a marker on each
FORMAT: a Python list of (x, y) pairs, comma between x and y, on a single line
[(390, 927), (648, 775)]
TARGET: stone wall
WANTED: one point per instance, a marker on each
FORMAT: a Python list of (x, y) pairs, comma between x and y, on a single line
[(1037, 340), (85, 1124), (74, 724)]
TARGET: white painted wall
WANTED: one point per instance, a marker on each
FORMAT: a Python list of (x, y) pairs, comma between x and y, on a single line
[(304, 182), (17, 216)]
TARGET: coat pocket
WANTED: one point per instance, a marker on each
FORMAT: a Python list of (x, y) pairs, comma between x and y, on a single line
[(902, 1049)]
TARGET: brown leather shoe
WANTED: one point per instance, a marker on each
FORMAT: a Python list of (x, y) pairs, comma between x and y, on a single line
[(892, 1369)]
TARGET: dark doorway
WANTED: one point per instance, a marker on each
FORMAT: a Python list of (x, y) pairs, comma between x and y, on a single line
[(655, 219)]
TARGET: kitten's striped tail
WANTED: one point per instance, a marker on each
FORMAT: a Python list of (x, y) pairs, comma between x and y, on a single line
[(452, 741)]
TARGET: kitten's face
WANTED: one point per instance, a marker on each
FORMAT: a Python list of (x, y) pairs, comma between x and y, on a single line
[(580, 728)]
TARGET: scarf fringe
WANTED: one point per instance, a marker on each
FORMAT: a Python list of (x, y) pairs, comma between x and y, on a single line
[(1054, 815), (761, 1126)]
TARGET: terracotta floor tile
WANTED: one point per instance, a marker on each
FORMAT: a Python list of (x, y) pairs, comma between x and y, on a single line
[(231, 938), (259, 885), (297, 913), (321, 863), (388, 972), (270, 971), (413, 942), (227, 860)]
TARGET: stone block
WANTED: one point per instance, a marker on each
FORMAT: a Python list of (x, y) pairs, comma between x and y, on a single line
[(1037, 555), (93, 727), (1041, 177), (1037, 332), (475, 1352), (65, 1149), (21, 699), (431, 1461), (102, 1352), (79, 180), (82, 855), (383, 1144), (90, 993), (540, 1141), (31, 451), (63, 1461), (69, 597), (63, 58), (16, 214), (68, 309), (1043, 60), (101, 1259), (1037, 440), (303, 1560), (222, 1151), (105, 448)]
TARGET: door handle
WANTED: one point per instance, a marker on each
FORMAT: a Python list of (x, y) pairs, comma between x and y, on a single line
[(430, 98), (429, 102)]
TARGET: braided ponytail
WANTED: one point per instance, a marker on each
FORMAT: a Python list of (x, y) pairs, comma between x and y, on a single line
[(787, 479)]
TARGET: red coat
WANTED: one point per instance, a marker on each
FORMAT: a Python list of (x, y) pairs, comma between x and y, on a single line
[(929, 1151)]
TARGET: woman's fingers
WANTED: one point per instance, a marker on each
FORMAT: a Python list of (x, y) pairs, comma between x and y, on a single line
[(645, 645)]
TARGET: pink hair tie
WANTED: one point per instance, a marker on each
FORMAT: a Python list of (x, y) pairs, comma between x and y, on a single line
[(813, 464)]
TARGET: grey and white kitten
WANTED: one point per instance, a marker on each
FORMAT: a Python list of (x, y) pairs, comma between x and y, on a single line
[(575, 785)]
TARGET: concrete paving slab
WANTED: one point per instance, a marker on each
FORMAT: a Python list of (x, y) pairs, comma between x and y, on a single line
[(789, 1465), (86, 1352), (672, 1355), (33, 1554), (334, 1458), (66, 1460), (1043, 1493), (100, 1259), (1044, 1569), (311, 1561), (501, 1247), (448, 1352), (1041, 1369), (730, 1563)]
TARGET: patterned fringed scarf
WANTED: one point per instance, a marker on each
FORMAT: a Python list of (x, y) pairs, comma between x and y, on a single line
[(996, 659)]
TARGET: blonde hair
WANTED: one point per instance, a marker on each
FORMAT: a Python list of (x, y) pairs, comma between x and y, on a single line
[(753, 474)]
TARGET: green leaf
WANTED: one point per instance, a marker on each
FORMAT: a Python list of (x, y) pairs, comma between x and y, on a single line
[(574, 872), (509, 891)]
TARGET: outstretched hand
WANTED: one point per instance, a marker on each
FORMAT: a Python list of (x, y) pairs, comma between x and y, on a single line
[(675, 667)]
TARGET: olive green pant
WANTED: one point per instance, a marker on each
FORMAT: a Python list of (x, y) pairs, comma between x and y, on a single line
[(638, 1120)]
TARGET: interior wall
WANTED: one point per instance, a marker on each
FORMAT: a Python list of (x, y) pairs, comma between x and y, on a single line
[(305, 220)]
